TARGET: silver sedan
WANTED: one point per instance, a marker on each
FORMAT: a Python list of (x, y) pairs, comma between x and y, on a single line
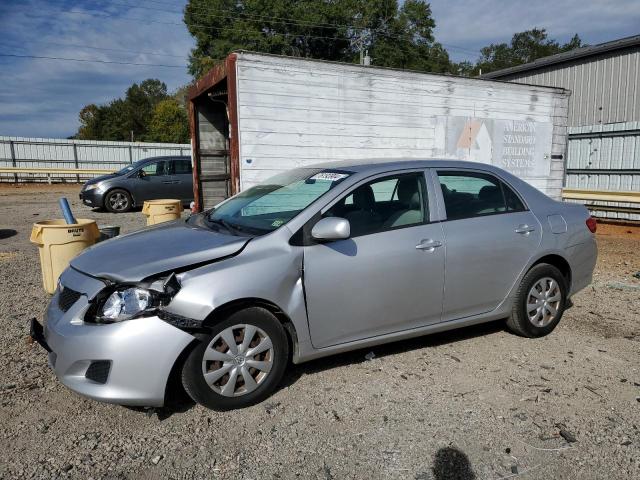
[(314, 262)]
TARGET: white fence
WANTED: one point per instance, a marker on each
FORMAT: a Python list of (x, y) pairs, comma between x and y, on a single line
[(22, 152)]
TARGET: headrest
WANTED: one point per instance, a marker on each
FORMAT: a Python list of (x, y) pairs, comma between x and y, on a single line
[(407, 188), (363, 198), (490, 193)]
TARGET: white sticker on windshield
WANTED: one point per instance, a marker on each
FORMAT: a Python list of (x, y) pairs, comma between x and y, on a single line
[(331, 176)]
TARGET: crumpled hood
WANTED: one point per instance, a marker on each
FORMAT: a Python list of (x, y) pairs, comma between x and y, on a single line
[(170, 246)]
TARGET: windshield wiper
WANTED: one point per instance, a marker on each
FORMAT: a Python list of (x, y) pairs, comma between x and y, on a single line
[(223, 223)]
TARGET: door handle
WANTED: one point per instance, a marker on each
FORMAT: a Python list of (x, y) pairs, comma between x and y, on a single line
[(429, 245), (524, 229)]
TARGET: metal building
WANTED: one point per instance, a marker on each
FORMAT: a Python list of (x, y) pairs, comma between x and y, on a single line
[(603, 118)]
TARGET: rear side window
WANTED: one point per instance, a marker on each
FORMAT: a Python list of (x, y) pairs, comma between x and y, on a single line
[(182, 167), (475, 194)]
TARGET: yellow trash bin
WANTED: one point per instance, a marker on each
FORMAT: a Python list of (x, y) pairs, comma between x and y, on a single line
[(158, 211), (59, 242)]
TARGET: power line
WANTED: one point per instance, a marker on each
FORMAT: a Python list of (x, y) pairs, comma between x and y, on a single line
[(205, 27), (220, 29), (86, 60), (132, 52), (235, 15), (209, 27), (155, 54)]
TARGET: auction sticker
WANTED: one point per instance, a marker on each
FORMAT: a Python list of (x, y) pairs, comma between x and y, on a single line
[(331, 176)]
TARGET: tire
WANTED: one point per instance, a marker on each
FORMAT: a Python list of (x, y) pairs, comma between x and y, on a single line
[(255, 376), (530, 316), (118, 201)]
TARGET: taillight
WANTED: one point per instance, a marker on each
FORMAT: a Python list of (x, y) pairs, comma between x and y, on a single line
[(592, 225)]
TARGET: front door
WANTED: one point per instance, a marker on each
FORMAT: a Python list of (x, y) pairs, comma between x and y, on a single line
[(388, 276), (490, 237), (155, 183)]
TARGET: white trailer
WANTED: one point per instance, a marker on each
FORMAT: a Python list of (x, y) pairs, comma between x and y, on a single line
[(255, 115)]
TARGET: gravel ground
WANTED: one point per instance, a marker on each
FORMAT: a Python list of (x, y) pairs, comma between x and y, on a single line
[(478, 403)]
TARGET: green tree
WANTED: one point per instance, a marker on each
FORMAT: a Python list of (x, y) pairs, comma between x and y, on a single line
[(525, 47), (90, 122), (133, 113), (140, 101), (394, 36), (169, 123)]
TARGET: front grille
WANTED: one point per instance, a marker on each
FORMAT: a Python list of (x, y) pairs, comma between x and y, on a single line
[(98, 371), (67, 297)]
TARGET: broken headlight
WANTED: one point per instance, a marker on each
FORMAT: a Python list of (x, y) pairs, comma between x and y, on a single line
[(127, 302)]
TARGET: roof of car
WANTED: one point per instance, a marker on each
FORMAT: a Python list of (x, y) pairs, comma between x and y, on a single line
[(381, 164), (164, 157)]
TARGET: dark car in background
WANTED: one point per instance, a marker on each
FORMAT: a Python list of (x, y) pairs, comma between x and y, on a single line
[(147, 179)]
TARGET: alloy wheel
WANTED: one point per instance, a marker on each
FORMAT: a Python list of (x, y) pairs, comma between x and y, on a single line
[(118, 201), (237, 360), (543, 302)]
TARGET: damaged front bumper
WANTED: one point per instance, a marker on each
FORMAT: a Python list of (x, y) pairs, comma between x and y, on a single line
[(127, 363)]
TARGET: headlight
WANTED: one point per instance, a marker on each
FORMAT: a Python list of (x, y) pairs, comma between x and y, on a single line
[(88, 188), (126, 304)]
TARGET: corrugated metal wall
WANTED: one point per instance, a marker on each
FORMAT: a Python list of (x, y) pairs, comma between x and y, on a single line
[(88, 154), (605, 157), (604, 89), (604, 120)]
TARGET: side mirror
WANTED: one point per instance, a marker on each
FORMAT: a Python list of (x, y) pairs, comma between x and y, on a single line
[(141, 173), (331, 228)]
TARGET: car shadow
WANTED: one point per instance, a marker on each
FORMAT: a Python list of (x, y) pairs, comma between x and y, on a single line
[(294, 372), (7, 233), (104, 210), (178, 401)]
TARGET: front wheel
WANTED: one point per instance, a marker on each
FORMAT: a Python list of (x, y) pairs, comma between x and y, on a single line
[(540, 302), (239, 363), (118, 200)]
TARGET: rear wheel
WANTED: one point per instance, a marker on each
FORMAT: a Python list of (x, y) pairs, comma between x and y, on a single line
[(540, 302), (240, 363), (118, 200)]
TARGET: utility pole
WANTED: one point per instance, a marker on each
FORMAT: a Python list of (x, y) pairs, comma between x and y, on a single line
[(359, 43)]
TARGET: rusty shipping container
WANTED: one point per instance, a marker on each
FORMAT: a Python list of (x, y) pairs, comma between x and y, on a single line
[(255, 115)]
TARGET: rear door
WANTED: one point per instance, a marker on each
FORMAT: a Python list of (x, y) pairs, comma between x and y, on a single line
[(388, 276), (490, 237), (182, 179)]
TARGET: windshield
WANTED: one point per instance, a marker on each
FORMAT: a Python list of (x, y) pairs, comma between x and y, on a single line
[(265, 207), (131, 167)]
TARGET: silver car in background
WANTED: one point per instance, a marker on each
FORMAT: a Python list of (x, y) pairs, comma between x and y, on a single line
[(314, 262)]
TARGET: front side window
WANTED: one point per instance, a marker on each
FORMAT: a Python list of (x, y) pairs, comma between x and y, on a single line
[(475, 194), (384, 204), (154, 169), (131, 167), (265, 207)]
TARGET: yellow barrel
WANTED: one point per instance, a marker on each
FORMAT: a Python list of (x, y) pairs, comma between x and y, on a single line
[(59, 242), (158, 211)]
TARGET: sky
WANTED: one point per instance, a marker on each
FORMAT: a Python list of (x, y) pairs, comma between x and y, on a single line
[(42, 97)]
